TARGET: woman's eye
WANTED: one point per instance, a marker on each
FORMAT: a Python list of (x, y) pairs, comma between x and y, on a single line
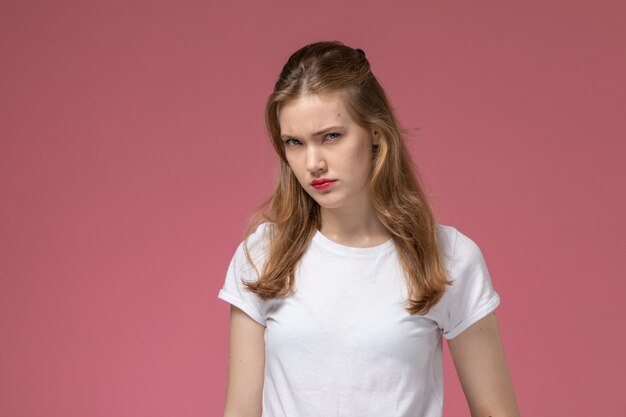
[(288, 141), (336, 135)]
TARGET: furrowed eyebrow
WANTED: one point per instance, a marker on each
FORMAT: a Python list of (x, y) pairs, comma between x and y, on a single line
[(321, 132)]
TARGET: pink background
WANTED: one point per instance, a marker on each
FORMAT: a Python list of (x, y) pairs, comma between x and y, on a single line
[(132, 149)]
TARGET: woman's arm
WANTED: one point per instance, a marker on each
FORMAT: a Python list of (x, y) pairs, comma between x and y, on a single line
[(246, 366), (482, 368)]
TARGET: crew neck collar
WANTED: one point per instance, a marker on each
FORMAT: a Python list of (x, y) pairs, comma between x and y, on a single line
[(384, 247)]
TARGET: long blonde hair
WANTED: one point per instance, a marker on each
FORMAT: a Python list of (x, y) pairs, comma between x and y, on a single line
[(397, 194)]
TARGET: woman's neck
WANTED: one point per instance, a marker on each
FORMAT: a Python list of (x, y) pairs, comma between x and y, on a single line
[(358, 227)]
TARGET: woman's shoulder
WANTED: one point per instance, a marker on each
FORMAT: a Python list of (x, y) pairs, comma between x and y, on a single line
[(258, 239), (254, 244), (456, 243), (261, 231), (446, 236)]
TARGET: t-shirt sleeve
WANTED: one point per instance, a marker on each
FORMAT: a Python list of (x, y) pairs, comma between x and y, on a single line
[(233, 291), (471, 295)]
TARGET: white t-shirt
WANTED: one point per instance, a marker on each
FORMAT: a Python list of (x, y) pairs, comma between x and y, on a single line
[(343, 344)]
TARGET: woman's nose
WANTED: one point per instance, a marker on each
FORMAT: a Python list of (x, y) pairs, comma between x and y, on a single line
[(315, 160)]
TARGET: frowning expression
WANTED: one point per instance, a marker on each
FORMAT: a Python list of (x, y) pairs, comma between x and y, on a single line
[(323, 142)]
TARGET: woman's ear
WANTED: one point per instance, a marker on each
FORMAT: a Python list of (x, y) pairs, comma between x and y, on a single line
[(375, 137)]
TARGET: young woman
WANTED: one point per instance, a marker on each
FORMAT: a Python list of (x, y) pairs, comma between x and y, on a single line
[(345, 284)]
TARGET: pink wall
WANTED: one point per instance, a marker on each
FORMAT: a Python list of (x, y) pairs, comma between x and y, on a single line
[(132, 148)]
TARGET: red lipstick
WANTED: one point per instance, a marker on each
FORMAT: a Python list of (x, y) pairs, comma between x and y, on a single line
[(322, 183)]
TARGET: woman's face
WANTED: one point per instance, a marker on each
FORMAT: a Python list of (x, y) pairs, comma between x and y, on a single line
[(323, 142)]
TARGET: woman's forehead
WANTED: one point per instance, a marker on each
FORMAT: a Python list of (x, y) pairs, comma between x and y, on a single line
[(310, 113)]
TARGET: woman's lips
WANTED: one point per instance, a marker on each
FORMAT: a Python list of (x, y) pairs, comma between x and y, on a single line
[(323, 185)]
